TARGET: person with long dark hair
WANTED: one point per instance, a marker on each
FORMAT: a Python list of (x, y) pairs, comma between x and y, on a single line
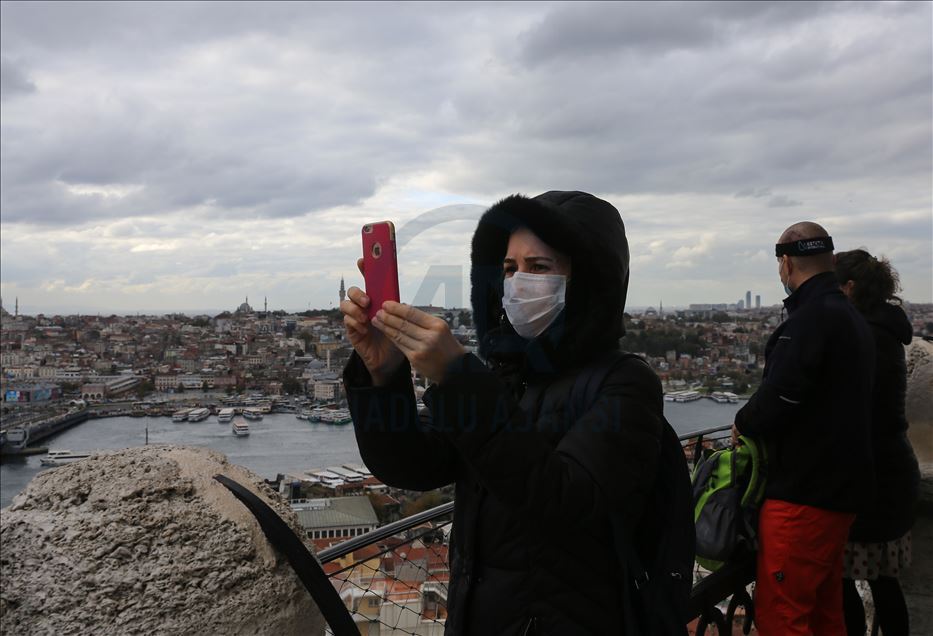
[(879, 546)]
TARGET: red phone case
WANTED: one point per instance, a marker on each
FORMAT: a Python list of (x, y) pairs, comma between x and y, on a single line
[(380, 267)]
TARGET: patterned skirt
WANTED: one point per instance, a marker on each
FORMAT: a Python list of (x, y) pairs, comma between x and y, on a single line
[(868, 561)]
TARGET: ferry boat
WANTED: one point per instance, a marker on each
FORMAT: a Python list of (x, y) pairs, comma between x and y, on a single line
[(316, 415), (61, 457), (336, 416), (225, 415), (252, 414), (240, 427), (199, 415), (180, 416), (724, 397), (682, 396)]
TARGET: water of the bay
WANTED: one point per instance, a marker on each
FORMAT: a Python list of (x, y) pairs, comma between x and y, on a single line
[(279, 443)]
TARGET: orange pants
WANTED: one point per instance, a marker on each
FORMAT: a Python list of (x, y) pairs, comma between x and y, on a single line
[(798, 589)]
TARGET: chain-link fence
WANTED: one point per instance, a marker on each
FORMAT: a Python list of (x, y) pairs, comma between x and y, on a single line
[(396, 584)]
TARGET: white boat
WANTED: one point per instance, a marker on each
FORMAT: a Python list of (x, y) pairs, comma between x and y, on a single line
[(688, 396), (724, 397), (199, 415), (682, 396), (336, 416), (317, 415), (240, 427), (252, 414), (302, 415), (180, 416), (226, 415), (60, 457)]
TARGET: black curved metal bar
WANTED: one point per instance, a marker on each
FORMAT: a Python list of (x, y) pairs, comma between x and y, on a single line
[(383, 533)]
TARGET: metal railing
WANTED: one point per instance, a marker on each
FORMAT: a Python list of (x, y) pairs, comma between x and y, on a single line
[(394, 579)]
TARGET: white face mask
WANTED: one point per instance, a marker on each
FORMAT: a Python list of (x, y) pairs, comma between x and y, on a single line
[(532, 301)]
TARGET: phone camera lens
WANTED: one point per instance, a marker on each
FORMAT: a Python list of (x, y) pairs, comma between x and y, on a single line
[(377, 250)]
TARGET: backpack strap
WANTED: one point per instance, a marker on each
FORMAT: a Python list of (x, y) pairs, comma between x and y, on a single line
[(583, 395), (303, 562), (759, 476)]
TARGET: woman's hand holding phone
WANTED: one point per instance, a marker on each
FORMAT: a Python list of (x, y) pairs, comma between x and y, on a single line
[(379, 354), (424, 339), (384, 331)]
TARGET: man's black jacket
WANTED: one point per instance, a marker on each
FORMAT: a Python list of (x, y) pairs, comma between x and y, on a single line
[(813, 408)]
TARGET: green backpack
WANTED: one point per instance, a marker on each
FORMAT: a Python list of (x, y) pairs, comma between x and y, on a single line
[(728, 487)]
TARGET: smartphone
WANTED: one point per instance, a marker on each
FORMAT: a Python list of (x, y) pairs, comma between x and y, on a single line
[(380, 266)]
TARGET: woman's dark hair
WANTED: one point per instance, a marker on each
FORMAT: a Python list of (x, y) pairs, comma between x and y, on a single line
[(876, 281)]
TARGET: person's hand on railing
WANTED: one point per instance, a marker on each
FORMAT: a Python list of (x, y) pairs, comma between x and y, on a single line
[(735, 435), (379, 354)]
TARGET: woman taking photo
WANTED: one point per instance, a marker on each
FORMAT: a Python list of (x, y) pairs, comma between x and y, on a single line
[(536, 484), (879, 541)]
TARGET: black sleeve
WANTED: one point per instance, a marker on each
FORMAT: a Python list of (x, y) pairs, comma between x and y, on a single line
[(397, 444), (608, 457), (793, 370)]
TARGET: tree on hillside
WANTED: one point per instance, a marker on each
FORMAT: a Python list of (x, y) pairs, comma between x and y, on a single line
[(144, 388), (291, 386)]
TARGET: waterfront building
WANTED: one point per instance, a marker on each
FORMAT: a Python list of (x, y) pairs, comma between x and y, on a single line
[(105, 387), (326, 390), (32, 393), (335, 519)]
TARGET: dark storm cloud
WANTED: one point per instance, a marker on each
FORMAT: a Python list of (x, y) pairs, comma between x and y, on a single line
[(278, 110), (161, 134), (604, 29), (13, 80)]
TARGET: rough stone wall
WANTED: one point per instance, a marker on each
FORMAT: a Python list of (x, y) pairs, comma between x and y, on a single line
[(144, 541), (919, 402), (918, 580)]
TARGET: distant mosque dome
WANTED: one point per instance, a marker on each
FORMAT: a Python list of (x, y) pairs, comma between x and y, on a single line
[(244, 308)]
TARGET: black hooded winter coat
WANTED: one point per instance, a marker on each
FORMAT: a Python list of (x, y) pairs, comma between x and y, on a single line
[(896, 471), (531, 551)]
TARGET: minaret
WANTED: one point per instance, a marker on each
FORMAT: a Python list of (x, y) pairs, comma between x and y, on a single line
[(661, 309), (343, 292), (16, 309), (265, 304)]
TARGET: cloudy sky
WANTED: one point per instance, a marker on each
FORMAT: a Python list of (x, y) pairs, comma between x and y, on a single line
[(166, 156)]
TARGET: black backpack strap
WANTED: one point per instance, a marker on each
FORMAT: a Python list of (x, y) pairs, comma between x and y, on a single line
[(583, 395), (302, 561)]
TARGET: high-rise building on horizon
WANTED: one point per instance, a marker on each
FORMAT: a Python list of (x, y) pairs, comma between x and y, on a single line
[(757, 301), (748, 299)]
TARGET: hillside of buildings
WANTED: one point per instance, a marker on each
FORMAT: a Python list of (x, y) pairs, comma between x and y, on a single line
[(101, 358)]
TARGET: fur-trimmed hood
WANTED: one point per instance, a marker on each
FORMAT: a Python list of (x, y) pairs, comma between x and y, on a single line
[(591, 232)]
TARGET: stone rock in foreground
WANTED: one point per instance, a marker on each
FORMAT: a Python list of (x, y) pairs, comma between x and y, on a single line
[(144, 541), (919, 403)]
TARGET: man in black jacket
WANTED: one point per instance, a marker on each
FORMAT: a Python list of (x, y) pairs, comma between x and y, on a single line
[(813, 413)]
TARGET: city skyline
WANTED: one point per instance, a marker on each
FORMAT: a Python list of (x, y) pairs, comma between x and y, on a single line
[(180, 157)]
